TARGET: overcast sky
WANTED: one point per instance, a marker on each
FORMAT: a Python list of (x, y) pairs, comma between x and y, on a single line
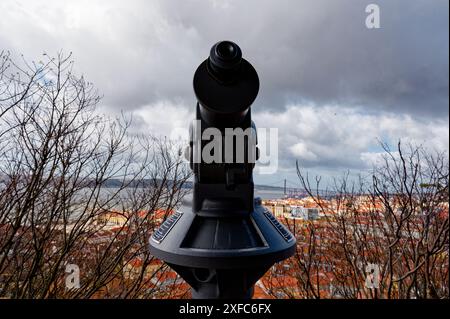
[(332, 87)]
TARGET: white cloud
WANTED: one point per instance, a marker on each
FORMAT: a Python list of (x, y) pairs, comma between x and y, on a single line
[(343, 137), (377, 159), (300, 150), (163, 119)]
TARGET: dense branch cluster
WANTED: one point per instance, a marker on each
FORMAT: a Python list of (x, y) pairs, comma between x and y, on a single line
[(395, 222), (77, 189)]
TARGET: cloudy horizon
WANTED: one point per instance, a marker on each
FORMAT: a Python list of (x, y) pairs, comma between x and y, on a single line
[(332, 87)]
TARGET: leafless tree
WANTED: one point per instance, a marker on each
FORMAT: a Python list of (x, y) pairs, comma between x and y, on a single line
[(396, 220), (77, 188)]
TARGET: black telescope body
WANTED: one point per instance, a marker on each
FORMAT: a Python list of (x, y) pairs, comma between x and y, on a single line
[(229, 240)]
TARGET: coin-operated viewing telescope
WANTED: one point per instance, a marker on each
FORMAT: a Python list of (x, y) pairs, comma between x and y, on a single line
[(229, 240)]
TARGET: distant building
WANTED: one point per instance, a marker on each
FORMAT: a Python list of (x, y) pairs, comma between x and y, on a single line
[(279, 211), (304, 213)]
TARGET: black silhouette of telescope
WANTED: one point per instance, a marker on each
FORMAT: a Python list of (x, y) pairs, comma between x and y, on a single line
[(229, 240)]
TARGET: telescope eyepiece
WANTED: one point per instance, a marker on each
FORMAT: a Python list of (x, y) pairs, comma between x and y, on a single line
[(226, 50), (224, 60)]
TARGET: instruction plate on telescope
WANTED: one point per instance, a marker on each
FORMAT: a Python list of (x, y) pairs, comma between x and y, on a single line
[(281, 229), (165, 228)]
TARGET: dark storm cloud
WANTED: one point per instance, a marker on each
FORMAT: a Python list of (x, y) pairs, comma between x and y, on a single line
[(321, 51), (140, 52)]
